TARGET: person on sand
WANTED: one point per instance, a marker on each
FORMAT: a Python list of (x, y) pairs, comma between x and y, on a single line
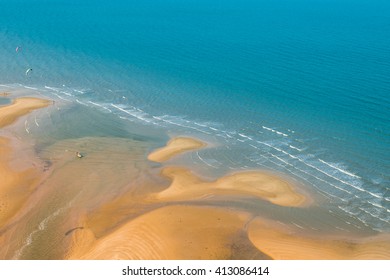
[(79, 155)]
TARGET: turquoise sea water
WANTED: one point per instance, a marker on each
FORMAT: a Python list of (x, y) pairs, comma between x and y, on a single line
[(296, 86)]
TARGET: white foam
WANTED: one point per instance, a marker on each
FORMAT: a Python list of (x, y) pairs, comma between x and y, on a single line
[(282, 160), (36, 122), (82, 103), (166, 119), (245, 136), (101, 106), (372, 215), (33, 88), (60, 97), (26, 127), (275, 131), (204, 161), (52, 88), (339, 169), (336, 178), (133, 114), (295, 148), (295, 224), (309, 165)]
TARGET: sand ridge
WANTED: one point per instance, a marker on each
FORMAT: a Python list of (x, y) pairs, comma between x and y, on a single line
[(171, 232), (19, 107), (175, 147), (187, 186)]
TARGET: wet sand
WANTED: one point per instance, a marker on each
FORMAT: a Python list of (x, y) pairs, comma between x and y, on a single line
[(20, 107), (16, 184), (114, 204)]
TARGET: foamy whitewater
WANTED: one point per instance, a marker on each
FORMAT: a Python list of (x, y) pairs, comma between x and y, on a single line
[(298, 87)]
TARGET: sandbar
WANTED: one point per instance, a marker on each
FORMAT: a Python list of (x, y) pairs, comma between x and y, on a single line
[(19, 107), (175, 147), (15, 185), (187, 186)]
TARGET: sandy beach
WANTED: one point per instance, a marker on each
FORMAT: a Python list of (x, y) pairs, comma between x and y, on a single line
[(154, 212)]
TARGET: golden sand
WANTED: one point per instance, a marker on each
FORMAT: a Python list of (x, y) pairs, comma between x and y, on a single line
[(178, 231), (207, 232), (187, 186), (174, 221), (172, 232), (20, 107), (175, 147), (282, 243)]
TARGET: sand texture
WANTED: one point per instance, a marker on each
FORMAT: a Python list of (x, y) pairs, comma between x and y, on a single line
[(15, 185), (283, 243)]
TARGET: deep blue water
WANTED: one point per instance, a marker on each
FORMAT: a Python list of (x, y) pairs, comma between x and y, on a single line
[(298, 86)]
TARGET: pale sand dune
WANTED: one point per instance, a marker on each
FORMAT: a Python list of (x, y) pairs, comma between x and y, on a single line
[(172, 232), (20, 107), (187, 186), (284, 244), (174, 147)]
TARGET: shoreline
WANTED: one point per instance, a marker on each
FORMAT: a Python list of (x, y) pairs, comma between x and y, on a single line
[(16, 185), (20, 107), (170, 214)]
